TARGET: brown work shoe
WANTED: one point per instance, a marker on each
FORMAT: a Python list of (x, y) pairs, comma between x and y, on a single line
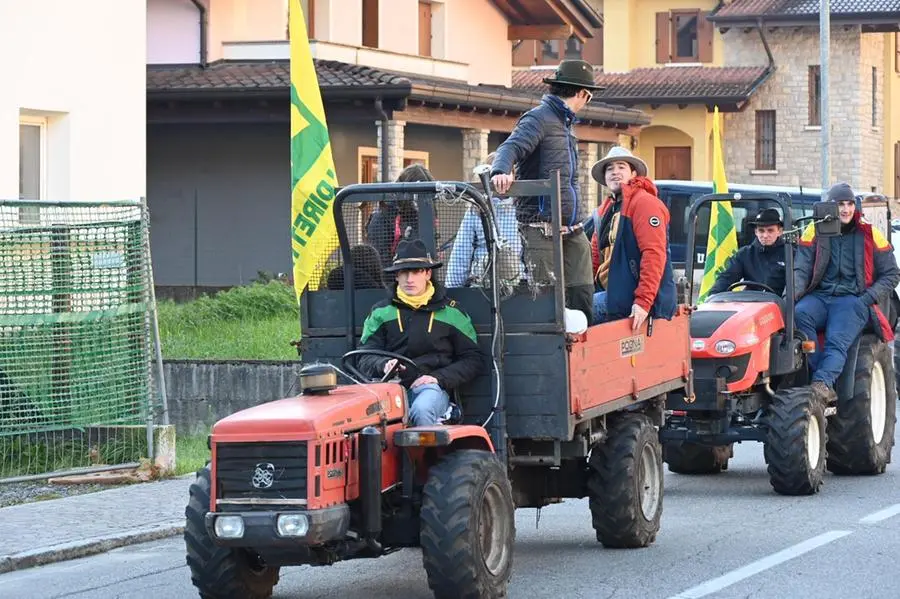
[(823, 392)]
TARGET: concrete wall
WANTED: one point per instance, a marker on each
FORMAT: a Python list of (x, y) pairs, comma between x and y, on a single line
[(444, 146), (857, 150), (199, 393), (345, 143), (173, 32), (890, 42), (86, 85)]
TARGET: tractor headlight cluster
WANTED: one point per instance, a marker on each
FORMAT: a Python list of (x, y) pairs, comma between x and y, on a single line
[(293, 525), (725, 347), (229, 527)]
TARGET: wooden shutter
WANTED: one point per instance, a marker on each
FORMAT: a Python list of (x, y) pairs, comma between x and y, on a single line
[(705, 33), (370, 23), (897, 170), (897, 52), (424, 28), (663, 40), (813, 95)]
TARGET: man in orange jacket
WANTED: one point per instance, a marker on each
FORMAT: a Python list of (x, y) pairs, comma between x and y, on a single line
[(630, 245)]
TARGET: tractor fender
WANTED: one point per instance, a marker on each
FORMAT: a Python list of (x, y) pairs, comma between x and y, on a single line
[(459, 436)]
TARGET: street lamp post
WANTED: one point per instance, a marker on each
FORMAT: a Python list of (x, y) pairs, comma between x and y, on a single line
[(825, 116)]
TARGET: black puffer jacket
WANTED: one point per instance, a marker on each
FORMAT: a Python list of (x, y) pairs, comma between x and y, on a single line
[(754, 262), (438, 337), (543, 141)]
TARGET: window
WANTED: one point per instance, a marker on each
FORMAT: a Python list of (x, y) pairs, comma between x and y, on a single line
[(765, 140), (425, 18), (874, 96), (370, 23), (683, 36), (31, 159), (815, 95)]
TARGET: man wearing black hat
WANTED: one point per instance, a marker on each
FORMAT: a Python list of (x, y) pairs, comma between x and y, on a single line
[(843, 283), (420, 322), (544, 141), (762, 261)]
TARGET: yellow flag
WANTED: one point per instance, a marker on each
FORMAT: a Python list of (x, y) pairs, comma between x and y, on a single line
[(313, 179), (722, 240)]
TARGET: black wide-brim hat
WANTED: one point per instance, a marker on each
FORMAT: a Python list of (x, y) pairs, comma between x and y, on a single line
[(578, 73), (766, 217), (412, 255)]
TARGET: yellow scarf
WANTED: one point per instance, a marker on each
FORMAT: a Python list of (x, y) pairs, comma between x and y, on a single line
[(417, 301)]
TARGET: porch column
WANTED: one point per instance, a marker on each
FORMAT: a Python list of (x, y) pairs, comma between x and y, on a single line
[(475, 150), (395, 131), (589, 189)]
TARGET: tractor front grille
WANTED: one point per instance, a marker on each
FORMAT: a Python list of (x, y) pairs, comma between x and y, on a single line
[(255, 476)]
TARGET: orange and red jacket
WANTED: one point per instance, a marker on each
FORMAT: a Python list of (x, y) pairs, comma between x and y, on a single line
[(641, 268)]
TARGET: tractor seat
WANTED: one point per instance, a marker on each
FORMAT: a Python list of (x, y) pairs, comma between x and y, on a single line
[(752, 296)]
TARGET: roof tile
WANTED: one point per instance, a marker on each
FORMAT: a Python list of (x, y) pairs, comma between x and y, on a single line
[(804, 8)]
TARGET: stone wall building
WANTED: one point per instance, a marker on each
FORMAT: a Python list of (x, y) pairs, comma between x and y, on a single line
[(776, 138)]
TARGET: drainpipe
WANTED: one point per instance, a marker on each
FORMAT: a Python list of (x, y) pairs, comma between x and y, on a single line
[(762, 36), (204, 25), (385, 141)]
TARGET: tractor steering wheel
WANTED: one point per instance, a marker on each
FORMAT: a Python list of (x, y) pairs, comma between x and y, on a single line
[(754, 284), (348, 360)]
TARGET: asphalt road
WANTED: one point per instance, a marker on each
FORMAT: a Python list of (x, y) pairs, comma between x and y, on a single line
[(727, 536)]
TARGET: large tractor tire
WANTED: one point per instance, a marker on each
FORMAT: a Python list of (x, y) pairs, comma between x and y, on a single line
[(625, 483), (221, 572), (861, 434), (795, 445), (468, 526), (692, 458)]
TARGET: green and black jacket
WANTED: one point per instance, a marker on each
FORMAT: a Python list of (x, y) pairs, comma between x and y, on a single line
[(438, 337)]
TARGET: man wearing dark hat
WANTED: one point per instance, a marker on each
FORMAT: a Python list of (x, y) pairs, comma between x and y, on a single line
[(420, 322), (843, 283), (762, 261), (544, 141)]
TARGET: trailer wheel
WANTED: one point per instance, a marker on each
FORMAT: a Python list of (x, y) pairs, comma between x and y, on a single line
[(795, 445), (625, 483), (861, 434), (468, 526), (221, 572), (692, 458)]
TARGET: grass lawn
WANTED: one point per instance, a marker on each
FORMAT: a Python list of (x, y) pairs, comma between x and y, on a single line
[(191, 453)]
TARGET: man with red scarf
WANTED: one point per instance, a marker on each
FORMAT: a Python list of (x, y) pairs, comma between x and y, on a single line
[(842, 283), (630, 245)]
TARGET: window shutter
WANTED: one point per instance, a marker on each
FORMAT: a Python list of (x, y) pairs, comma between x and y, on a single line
[(663, 43), (705, 34), (897, 170)]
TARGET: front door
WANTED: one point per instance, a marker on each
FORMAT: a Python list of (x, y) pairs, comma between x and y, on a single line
[(673, 163)]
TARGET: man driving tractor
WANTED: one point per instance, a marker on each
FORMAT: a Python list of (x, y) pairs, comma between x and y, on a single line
[(420, 322), (840, 282), (762, 261)]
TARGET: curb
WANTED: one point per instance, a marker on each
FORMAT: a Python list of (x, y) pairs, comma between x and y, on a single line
[(76, 549)]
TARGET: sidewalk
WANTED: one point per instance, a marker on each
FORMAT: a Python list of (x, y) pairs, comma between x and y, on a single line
[(44, 532)]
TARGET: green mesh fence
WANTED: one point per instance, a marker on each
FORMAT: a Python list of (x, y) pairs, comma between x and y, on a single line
[(75, 337)]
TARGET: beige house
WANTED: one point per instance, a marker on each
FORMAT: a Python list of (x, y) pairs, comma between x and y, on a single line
[(402, 81), (67, 131)]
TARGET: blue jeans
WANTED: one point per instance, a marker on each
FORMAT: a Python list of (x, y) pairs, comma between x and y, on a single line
[(429, 403), (600, 313), (842, 318)]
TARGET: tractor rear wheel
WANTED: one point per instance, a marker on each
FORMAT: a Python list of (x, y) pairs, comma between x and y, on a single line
[(795, 445), (625, 483), (221, 572), (692, 458), (861, 434), (468, 526)]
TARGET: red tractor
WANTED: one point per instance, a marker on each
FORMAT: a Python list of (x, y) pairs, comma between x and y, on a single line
[(751, 380), (335, 473)]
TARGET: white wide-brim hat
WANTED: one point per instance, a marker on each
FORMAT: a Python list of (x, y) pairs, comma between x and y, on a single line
[(617, 154)]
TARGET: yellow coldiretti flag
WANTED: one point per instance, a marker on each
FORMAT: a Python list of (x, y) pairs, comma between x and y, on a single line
[(313, 180), (722, 241)]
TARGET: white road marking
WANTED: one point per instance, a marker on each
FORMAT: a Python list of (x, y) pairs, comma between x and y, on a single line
[(730, 578), (888, 512)]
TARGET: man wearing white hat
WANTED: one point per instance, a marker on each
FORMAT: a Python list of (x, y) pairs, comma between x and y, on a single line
[(630, 245)]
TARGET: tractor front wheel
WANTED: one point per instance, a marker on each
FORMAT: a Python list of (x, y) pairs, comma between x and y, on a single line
[(861, 434), (625, 483), (468, 526), (795, 445), (221, 572)]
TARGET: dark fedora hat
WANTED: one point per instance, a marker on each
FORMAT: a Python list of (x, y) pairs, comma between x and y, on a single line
[(412, 255), (766, 217), (578, 73)]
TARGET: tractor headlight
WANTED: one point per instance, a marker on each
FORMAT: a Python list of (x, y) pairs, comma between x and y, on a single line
[(229, 527), (293, 525), (725, 347)]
